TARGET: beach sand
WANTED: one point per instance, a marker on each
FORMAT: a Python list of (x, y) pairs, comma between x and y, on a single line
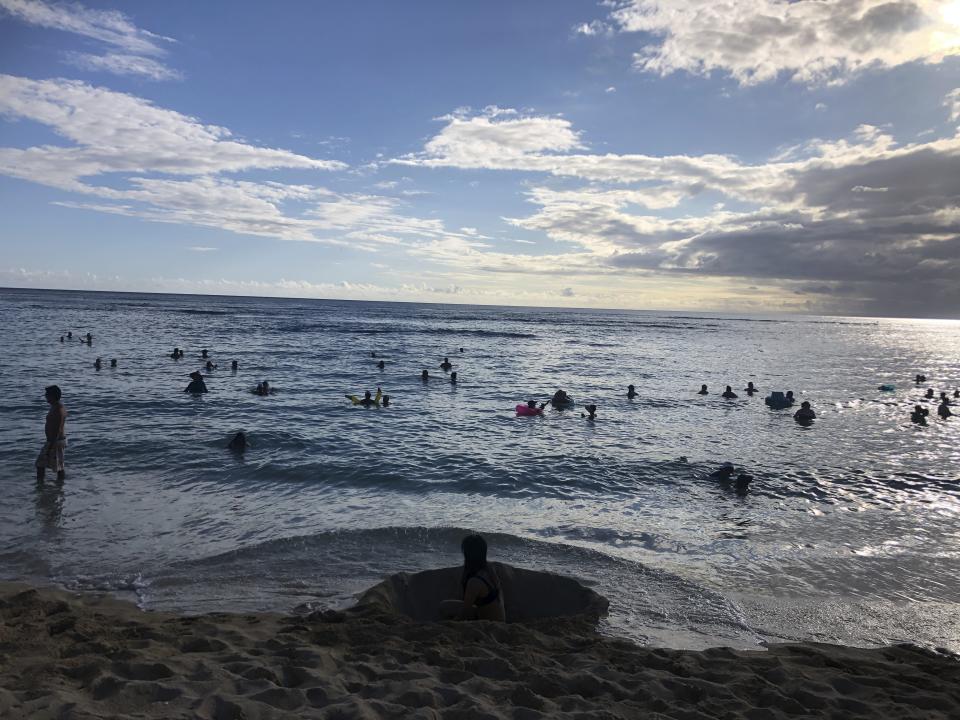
[(69, 656)]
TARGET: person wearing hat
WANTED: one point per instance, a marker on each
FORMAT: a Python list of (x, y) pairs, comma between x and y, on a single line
[(196, 385)]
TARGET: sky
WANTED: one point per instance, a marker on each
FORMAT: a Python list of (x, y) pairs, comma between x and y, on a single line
[(730, 155)]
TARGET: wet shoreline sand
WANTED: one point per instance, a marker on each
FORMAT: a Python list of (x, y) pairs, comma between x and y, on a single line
[(86, 656)]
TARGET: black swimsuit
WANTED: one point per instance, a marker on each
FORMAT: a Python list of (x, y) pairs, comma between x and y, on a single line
[(491, 596)]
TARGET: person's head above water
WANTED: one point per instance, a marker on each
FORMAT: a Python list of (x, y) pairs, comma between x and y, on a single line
[(750, 384), (424, 375), (453, 377), (234, 364), (238, 443), (805, 404), (790, 394), (196, 375), (474, 549), (703, 389), (386, 400), (532, 404), (367, 395)]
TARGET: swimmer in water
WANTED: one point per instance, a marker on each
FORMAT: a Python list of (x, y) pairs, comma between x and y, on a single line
[(461, 349), (805, 414), (238, 443), (210, 365), (234, 365), (729, 394), (89, 339), (944, 398), (113, 362), (446, 365), (929, 395), (97, 363), (381, 365), (197, 385), (750, 389), (532, 404), (919, 415), (943, 410), (723, 473), (560, 399), (453, 378), (789, 396), (703, 390), (631, 392), (956, 393), (591, 412), (368, 400), (61, 338), (424, 376), (203, 353), (386, 401), (175, 354), (69, 336), (742, 484)]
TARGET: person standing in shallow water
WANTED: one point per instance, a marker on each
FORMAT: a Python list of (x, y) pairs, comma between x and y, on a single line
[(197, 385), (482, 594), (51, 456)]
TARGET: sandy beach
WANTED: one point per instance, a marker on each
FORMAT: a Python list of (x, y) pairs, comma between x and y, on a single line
[(71, 656)]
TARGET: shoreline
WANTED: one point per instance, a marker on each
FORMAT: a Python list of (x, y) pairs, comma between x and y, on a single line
[(93, 656)]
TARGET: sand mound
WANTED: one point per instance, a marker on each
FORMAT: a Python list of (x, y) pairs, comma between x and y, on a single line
[(528, 594), (81, 657)]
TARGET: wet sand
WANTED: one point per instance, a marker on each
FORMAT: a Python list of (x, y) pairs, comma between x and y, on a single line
[(70, 656)]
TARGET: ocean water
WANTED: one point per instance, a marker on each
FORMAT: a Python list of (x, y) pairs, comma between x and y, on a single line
[(850, 531)]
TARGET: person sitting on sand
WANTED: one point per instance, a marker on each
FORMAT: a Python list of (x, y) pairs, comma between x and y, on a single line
[(591, 412), (729, 394), (805, 414), (368, 400), (97, 364), (703, 390), (381, 365), (750, 389), (446, 365), (51, 455), (196, 386), (631, 392), (919, 415), (943, 410), (482, 594), (238, 443), (424, 376)]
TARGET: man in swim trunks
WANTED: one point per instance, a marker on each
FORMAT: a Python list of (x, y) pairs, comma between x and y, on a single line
[(51, 456)]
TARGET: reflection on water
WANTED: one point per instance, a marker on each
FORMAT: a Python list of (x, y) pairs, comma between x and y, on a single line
[(860, 506)]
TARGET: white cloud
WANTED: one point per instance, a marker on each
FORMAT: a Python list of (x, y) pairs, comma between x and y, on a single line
[(952, 101), (809, 41), (201, 248), (611, 89), (120, 64), (138, 47), (117, 133)]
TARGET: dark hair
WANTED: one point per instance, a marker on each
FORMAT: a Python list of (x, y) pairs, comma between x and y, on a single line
[(53, 391), (474, 550)]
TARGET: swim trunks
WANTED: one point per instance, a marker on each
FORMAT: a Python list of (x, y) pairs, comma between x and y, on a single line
[(51, 456)]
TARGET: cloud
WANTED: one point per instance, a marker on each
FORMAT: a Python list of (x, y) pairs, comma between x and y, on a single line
[(808, 41), (131, 158), (611, 89), (863, 211), (201, 248), (138, 47), (119, 64), (593, 28), (952, 101)]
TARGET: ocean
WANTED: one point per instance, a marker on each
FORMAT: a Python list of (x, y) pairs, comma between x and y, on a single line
[(849, 532)]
